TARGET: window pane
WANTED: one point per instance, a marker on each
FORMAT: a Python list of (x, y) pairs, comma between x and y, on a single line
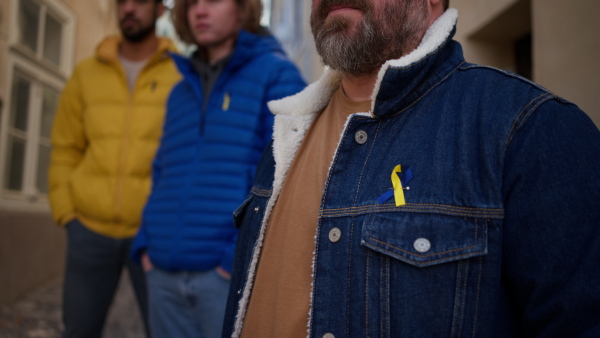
[(19, 105), (29, 18), (42, 169), (50, 100), (16, 160), (52, 39)]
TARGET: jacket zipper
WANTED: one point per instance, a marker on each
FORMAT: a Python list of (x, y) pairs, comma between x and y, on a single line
[(125, 140)]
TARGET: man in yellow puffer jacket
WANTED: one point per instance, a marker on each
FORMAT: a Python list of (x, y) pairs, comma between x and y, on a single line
[(107, 128)]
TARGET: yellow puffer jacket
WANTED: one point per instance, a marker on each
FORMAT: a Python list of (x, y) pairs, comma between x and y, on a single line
[(104, 139)]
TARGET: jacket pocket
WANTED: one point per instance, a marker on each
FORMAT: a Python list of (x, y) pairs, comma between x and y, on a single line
[(423, 239)]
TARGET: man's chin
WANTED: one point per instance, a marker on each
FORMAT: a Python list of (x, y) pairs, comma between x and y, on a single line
[(136, 35)]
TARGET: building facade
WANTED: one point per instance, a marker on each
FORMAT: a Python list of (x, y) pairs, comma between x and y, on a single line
[(40, 43)]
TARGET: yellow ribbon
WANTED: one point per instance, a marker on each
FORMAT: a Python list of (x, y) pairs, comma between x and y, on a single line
[(226, 100), (397, 184)]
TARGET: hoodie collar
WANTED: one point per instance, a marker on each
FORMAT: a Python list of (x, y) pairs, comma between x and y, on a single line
[(247, 46), (400, 82), (108, 49)]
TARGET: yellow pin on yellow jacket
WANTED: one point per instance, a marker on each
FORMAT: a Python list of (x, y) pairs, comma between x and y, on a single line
[(104, 139)]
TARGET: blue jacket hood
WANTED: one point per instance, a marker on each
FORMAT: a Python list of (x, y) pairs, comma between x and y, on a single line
[(247, 47)]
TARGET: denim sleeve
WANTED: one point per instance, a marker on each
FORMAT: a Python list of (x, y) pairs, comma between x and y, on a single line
[(551, 248)]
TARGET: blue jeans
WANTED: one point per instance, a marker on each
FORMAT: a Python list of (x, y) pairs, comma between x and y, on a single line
[(186, 304), (94, 265)]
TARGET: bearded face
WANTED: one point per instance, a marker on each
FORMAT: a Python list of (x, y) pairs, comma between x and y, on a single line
[(137, 21), (383, 33)]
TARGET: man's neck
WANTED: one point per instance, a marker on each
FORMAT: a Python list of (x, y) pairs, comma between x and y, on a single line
[(359, 88), (138, 51)]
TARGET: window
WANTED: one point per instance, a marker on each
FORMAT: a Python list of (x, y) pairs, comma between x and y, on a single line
[(38, 61), (40, 31)]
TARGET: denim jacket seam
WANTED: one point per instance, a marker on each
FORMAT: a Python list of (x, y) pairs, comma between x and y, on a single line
[(348, 281), (367, 294), (415, 208), (407, 210), (424, 94), (505, 73), (430, 255), (477, 297), (387, 299), (524, 115), (387, 205), (261, 192), (366, 160), (456, 300), (424, 256), (433, 261), (464, 297), (526, 111)]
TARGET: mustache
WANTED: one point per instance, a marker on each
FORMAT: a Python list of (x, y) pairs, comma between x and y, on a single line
[(128, 17), (325, 6)]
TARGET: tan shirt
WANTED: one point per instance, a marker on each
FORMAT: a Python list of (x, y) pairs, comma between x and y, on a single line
[(280, 299)]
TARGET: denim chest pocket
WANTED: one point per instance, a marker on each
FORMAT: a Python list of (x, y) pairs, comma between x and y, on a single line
[(423, 239)]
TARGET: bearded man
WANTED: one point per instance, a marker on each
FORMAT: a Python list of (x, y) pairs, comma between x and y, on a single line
[(107, 128), (408, 193)]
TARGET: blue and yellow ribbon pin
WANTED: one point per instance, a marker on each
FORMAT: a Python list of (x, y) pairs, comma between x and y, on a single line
[(401, 175)]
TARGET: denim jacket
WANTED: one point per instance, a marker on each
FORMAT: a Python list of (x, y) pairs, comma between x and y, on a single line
[(500, 233)]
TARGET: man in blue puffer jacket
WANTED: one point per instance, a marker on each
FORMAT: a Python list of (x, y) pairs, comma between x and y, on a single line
[(216, 127)]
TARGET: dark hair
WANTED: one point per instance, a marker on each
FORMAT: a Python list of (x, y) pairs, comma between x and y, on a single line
[(251, 12), (446, 4)]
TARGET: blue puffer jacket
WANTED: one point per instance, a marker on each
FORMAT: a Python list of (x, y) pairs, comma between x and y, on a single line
[(205, 164)]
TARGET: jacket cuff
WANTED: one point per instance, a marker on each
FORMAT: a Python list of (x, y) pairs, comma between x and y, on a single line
[(66, 219), (227, 261)]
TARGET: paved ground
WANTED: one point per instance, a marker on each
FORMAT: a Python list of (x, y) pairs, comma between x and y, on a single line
[(38, 314)]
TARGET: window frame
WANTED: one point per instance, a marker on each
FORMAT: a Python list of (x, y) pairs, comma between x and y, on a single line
[(65, 16), (42, 74)]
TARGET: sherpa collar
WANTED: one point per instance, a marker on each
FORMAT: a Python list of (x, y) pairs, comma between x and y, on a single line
[(315, 97)]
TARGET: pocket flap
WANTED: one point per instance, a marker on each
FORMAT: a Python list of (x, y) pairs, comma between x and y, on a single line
[(425, 239), (238, 214)]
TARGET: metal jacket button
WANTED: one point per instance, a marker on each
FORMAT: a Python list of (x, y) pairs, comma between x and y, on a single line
[(361, 137), (256, 209), (334, 235), (328, 335), (422, 245)]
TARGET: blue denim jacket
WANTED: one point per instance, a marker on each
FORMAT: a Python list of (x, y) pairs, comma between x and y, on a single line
[(500, 233)]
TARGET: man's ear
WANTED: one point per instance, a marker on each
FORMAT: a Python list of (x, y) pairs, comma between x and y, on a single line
[(436, 7)]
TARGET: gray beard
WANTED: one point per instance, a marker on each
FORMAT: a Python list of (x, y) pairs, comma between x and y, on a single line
[(375, 41), (355, 55)]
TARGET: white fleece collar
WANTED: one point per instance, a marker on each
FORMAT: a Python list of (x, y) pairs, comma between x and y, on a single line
[(315, 97)]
